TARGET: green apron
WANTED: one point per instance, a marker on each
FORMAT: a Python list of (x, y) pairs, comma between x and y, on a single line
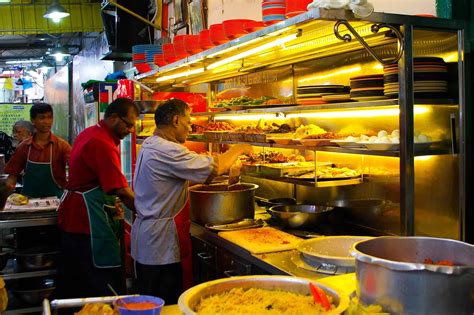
[(106, 232), (38, 180)]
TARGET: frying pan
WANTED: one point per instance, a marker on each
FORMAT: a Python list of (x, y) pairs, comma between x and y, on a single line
[(299, 216), (262, 202)]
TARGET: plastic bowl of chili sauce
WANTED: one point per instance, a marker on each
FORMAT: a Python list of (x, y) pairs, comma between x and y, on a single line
[(140, 305)]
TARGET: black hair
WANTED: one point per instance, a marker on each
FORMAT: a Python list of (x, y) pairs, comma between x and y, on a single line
[(121, 106), (40, 108), (165, 112)]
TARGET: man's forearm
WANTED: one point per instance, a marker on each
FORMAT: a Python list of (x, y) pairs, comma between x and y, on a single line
[(127, 196), (11, 182)]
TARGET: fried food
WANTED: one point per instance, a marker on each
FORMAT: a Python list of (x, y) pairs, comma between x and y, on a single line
[(17, 199), (97, 309), (3, 296)]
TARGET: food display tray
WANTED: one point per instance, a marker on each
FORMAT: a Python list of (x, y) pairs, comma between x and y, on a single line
[(279, 169)]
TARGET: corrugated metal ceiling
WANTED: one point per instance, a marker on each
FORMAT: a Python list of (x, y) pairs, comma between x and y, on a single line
[(25, 33)]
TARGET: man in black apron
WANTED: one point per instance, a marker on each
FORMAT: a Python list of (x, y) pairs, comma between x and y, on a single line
[(90, 252)]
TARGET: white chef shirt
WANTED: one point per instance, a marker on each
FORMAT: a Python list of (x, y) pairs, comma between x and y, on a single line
[(163, 172)]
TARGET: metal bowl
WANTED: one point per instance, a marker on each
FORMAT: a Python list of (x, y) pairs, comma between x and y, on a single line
[(299, 216), (36, 258), (189, 299), (33, 292)]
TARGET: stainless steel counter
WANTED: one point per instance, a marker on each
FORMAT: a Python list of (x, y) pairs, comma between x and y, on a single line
[(277, 263)]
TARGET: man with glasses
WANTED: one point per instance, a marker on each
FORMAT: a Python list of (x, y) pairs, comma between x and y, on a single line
[(90, 257)]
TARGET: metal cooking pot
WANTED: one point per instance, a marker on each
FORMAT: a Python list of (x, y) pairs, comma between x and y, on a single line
[(4, 192), (262, 202), (33, 292), (216, 204), (390, 272), (189, 299), (299, 216), (38, 258)]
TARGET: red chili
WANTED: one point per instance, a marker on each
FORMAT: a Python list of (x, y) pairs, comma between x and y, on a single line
[(315, 294), (324, 299)]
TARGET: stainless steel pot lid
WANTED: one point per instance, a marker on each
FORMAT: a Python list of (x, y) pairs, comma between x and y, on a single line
[(333, 250)]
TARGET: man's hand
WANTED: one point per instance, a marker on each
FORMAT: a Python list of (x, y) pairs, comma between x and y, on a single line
[(11, 183), (119, 210), (245, 149)]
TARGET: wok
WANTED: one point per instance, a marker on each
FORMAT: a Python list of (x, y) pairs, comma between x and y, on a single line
[(299, 216), (360, 209)]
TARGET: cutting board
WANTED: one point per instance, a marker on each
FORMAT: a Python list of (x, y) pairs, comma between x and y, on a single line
[(262, 240)]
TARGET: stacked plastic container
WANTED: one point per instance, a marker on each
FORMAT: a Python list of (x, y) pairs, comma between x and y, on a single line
[(143, 56), (273, 11), (296, 7)]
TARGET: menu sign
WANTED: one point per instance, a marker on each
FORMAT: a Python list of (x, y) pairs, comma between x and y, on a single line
[(11, 113)]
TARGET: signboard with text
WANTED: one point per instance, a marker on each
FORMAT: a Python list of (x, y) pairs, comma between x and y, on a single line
[(11, 113)]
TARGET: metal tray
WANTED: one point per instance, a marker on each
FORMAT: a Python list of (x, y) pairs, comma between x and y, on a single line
[(68, 303), (280, 169)]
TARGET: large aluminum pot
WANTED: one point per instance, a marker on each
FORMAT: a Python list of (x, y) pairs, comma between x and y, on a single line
[(216, 204), (189, 299), (391, 272)]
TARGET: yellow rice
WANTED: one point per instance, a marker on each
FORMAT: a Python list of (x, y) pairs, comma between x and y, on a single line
[(259, 301)]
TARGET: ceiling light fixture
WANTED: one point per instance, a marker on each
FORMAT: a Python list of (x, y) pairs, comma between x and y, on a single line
[(45, 65), (59, 52), (56, 12), (14, 62)]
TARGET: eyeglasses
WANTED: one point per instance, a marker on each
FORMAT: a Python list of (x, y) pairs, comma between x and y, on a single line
[(128, 124)]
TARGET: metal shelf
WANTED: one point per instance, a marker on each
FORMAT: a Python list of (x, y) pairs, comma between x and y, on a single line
[(27, 310), (32, 274), (329, 106), (334, 149), (12, 223), (309, 183)]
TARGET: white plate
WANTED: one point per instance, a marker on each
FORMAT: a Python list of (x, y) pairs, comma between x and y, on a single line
[(345, 143), (381, 146)]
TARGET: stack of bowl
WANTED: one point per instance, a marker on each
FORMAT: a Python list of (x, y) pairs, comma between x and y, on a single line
[(273, 11), (217, 34), (295, 7), (205, 40), (179, 47), (169, 53), (138, 59), (159, 60), (151, 51), (235, 28), (191, 44)]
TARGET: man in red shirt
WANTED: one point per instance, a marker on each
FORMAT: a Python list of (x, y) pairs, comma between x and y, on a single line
[(90, 251), (42, 158)]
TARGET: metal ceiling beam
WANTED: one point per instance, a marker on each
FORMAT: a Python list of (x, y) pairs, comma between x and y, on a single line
[(21, 18)]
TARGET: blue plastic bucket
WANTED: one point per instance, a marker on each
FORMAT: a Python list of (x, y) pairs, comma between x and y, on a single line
[(125, 305)]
